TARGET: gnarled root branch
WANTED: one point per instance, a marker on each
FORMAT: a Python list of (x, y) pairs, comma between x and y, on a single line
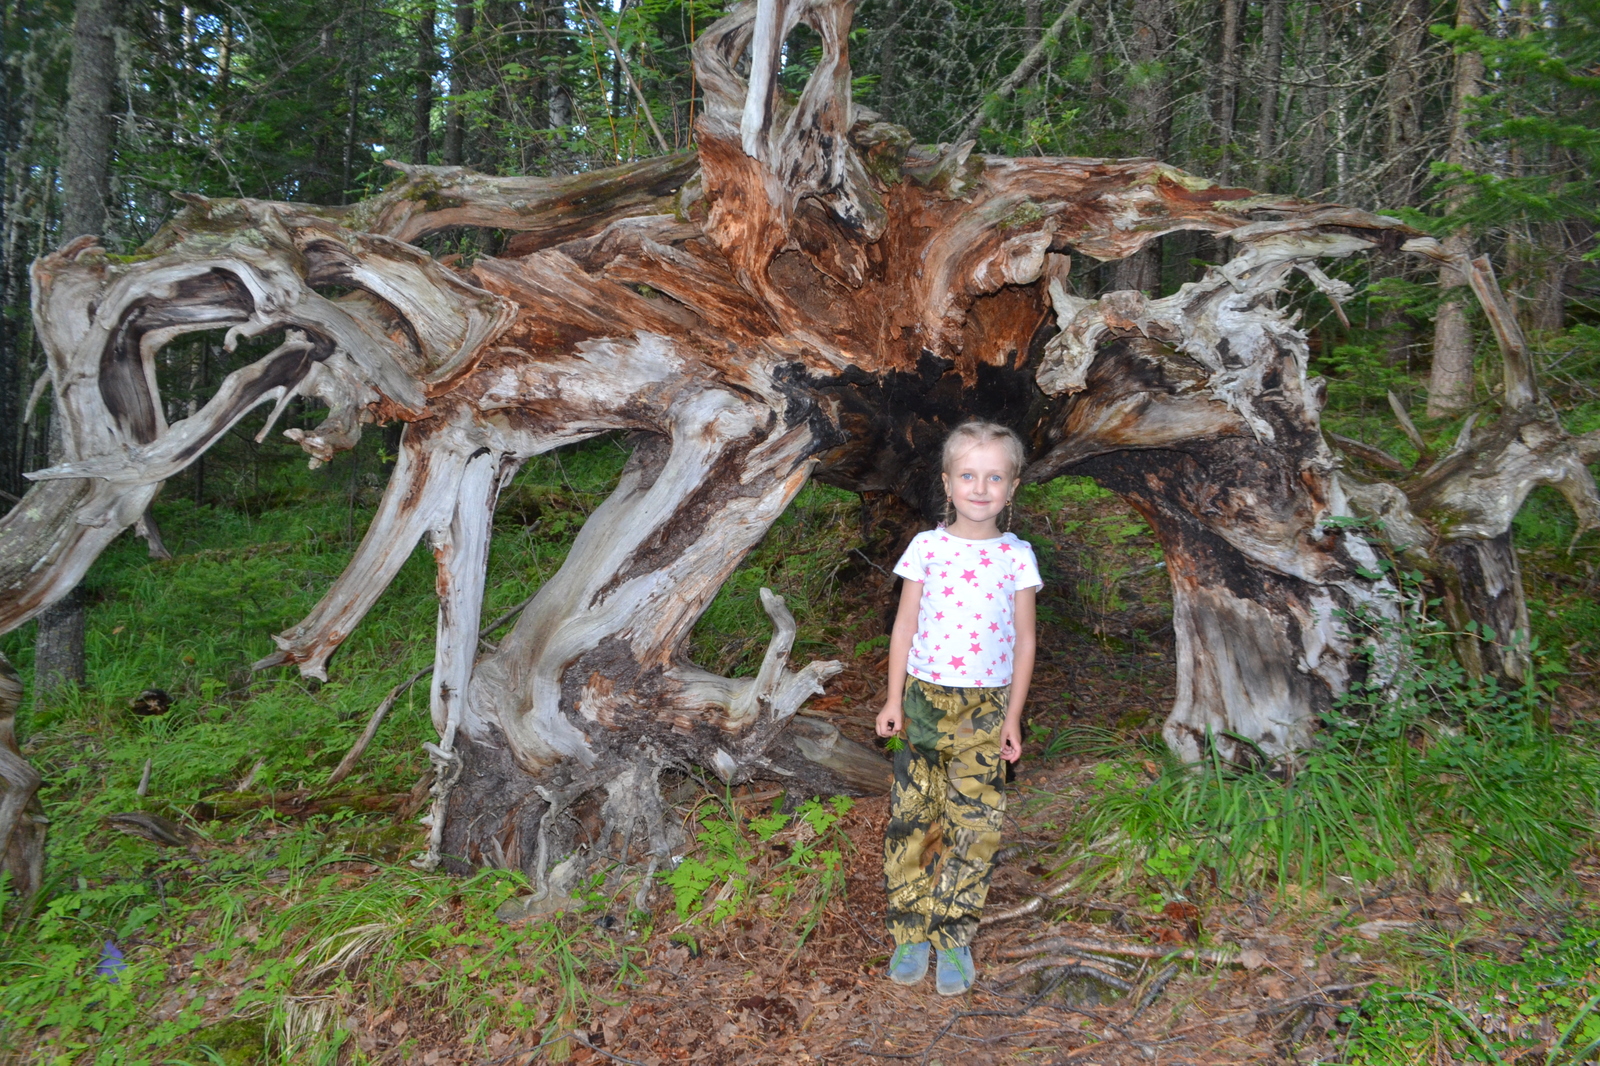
[(22, 823)]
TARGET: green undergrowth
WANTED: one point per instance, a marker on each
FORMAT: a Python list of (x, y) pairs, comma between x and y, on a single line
[(261, 940), (1464, 1002), (1100, 557), (1427, 777), (786, 865), (256, 947)]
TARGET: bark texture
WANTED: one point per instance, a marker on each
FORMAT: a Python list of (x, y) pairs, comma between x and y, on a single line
[(86, 144), (810, 295), (1450, 379)]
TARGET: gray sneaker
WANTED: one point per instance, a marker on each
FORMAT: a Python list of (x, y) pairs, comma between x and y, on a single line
[(955, 973), (909, 964)]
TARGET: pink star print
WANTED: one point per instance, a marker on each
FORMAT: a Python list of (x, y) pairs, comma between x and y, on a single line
[(930, 555), (969, 575), (976, 648), (1002, 656), (991, 595), (994, 627), (948, 591), (938, 616), (958, 662), (1005, 547), (936, 675), (985, 562)]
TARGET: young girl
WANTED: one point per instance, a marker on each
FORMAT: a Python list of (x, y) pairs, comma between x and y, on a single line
[(960, 658)]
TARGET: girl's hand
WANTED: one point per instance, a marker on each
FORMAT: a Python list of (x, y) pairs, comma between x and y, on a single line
[(1010, 741), (890, 719)]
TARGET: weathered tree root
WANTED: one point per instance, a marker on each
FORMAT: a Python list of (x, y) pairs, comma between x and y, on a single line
[(359, 748), (1153, 990), (1213, 956), (22, 821), (1061, 966)]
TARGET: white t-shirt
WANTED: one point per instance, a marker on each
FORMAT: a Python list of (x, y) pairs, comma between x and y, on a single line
[(966, 628)]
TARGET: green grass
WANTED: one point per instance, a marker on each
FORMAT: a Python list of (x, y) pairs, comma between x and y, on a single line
[(1441, 781)]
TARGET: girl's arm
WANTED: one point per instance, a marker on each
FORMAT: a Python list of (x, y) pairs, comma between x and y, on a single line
[(890, 719), (1022, 656)]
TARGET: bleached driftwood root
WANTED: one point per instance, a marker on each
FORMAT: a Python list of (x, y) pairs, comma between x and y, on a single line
[(809, 295)]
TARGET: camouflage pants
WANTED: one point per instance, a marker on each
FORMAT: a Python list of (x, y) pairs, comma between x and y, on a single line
[(946, 810)]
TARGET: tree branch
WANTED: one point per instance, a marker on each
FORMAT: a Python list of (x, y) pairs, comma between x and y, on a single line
[(1026, 69), (622, 63)]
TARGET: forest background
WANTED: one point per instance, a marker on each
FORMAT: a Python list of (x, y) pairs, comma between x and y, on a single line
[(1476, 120)]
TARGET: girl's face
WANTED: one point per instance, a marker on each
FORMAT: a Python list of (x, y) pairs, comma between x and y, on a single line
[(980, 482)]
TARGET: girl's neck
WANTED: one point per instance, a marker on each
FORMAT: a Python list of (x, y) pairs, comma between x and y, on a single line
[(989, 530)]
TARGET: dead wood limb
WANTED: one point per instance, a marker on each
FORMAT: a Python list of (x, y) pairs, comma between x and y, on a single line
[(22, 822), (1413, 434), (359, 748), (302, 803), (1027, 68), (1062, 966), (627, 71), (1032, 905), (1152, 990), (152, 827), (1368, 452), (1215, 957), (539, 212)]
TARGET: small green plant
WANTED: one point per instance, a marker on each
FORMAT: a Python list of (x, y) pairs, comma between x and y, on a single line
[(1476, 1008), (811, 870)]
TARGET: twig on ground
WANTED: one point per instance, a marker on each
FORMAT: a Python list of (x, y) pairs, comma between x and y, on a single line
[(1065, 966), (1153, 990), (1214, 956), (872, 564), (359, 748)]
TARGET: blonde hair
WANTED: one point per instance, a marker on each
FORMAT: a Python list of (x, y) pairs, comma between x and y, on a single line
[(969, 435)]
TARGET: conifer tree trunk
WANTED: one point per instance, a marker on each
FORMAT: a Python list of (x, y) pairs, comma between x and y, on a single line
[(427, 62), (1450, 380), (1151, 114), (86, 144), (461, 60), (1227, 104)]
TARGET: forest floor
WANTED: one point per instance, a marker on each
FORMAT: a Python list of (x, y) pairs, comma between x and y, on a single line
[(284, 924)]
